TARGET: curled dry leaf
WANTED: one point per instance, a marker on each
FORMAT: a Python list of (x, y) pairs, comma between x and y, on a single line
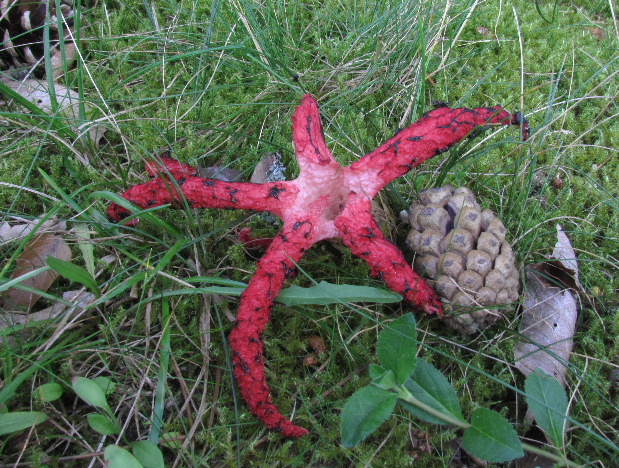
[(549, 323), (318, 348), (550, 312), (33, 257), (13, 232), (567, 273), (37, 92), (225, 174), (270, 168), (80, 299), (596, 32), (317, 345), (311, 361)]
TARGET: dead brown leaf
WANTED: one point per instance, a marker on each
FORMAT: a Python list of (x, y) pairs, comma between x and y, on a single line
[(596, 32), (565, 253), (12, 232), (317, 345), (268, 169), (226, 174), (550, 313), (549, 322), (319, 350), (37, 92), (79, 298), (35, 256)]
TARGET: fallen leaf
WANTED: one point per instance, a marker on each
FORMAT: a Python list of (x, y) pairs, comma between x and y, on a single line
[(226, 174), (37, 92), (33, 257), (311, 361), (80, 299), (317, 345), (9, 233), (566, 256), (269, 169), (550, 313), (319, 350), (596, 32), (18, 231)]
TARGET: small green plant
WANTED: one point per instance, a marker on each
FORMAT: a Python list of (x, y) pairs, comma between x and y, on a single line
[(421, 389), (94, 392), (146, 454)]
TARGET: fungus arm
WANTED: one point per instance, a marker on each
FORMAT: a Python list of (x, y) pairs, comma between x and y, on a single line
[(434, 133), (164, 164), (207, 193), (363, 237), (308, 137), (246, 339)]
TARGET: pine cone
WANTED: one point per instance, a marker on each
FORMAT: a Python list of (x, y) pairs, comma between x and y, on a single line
[(21, 34), (463, 251)]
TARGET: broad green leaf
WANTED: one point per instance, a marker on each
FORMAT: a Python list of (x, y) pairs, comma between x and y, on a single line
[(430, 386), (19, 420), (322, 294), (327, 293), (548, 401), (106, 384), (376, 371), (364, 412), (382, 377), (386, 381), (102, 424), (74, 272), (48, 392), (118, 457), (397, 347), (89, 391), (491, 437), (148, 454)]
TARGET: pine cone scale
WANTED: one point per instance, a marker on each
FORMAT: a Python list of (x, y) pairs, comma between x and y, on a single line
[(462, 251)]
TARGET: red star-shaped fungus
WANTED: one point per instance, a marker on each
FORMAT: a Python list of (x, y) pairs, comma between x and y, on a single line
[(325, 201)]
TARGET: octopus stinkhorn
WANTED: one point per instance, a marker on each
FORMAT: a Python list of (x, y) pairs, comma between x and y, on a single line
[(325, 201)]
